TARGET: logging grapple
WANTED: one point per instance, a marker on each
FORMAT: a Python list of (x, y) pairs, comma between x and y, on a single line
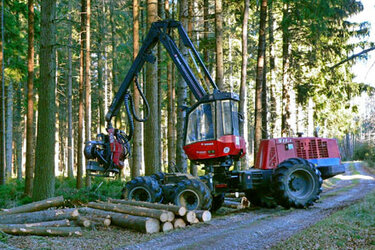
[(287, 172)]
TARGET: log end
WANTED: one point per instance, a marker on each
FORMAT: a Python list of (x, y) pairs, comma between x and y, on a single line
[(182, 211), (167, 226), (152, 226), (179, 223), (190, 216), (206, 216)]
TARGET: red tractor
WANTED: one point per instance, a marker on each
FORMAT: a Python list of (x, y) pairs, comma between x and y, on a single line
[(288, 171)]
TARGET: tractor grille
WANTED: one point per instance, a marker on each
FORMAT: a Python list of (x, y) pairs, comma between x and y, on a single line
[(311, 149)]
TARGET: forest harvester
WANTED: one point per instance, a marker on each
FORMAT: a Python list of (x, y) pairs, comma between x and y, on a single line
[(288, 171)]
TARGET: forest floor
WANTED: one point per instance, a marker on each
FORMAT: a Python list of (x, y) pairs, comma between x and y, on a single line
[(255, 228)]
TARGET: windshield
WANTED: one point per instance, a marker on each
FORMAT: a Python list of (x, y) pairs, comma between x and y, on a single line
[(201, 124)]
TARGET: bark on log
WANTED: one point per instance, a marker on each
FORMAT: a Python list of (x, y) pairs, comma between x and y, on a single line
[(56, 223), (35, 206), (47, 215), (234, 205), (235, 195), (177, 210), (203, 215), (161, 215), (100, 221), (179, 223), (167, 226), (190, 216), (138, 223), (42, 231)]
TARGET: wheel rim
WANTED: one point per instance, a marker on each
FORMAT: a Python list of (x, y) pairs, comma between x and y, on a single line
[(140, 194), (189, 199), (301, 183)]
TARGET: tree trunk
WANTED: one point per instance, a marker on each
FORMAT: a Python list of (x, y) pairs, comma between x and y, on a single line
[(161, 215), (9, 130), (180, 211), (171, 104), (35, 206), (29, 171), (87, 80), (79, 183), (2, 104), (243, 86), (182, 98), (259, 77), (39, 216), (70, 96), (264, 96), (152, 126), (286, 88), (219, 44), (18, 131), (44, 181), (113, 43), (42, 231), (137, 136), (272, 70)]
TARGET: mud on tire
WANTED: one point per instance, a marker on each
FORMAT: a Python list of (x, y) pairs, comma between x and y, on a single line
[(142, 188), (193, 194), (297, 183)]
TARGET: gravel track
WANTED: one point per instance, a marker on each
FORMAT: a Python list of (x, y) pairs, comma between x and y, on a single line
[(263, 228)]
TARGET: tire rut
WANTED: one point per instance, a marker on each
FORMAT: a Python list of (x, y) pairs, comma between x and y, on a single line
[(265, 227)]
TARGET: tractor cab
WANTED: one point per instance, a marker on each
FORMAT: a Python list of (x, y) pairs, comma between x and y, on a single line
[(212, 130)]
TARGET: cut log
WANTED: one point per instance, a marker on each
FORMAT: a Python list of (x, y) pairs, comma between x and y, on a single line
[(100, 221), (42, 231), (161, 215), (203, 215), (167, 226), (177, 210), (179, 223), (82, 221), (231, 204), (196, 221), (35, 206), (190, 216), (39, 216), (138, 223), (235, 195), (55, 223), (245, 203)]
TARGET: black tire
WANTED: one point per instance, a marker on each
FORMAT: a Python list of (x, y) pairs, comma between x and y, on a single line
[(143, 188), (159, 176), (193, 194), (297, 183), (261, 198), (217, 202)]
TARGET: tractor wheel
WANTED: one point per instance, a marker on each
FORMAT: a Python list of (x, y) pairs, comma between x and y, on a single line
[(217, 202), (159, 176), (193, 194), (143, 188), (261, 198), (297, 183)]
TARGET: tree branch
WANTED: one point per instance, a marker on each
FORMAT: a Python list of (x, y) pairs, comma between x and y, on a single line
[(352, 57)]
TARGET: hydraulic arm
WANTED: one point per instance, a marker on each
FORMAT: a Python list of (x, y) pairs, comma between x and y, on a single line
[(213, 116)]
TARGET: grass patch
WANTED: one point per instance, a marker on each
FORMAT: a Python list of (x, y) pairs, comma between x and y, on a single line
[(350, 228), (12, 193)]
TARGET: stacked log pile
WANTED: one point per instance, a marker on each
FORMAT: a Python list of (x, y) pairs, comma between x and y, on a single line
[(45, 219)]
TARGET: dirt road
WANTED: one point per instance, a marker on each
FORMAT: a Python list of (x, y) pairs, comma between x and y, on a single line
[(262, 228)]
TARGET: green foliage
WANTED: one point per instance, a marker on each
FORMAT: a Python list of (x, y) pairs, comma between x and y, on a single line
[(12, 195), (364, 151), (351, 228)]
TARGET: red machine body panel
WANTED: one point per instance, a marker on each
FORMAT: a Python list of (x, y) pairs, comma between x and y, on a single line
[(320, 151), (227, 145)]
